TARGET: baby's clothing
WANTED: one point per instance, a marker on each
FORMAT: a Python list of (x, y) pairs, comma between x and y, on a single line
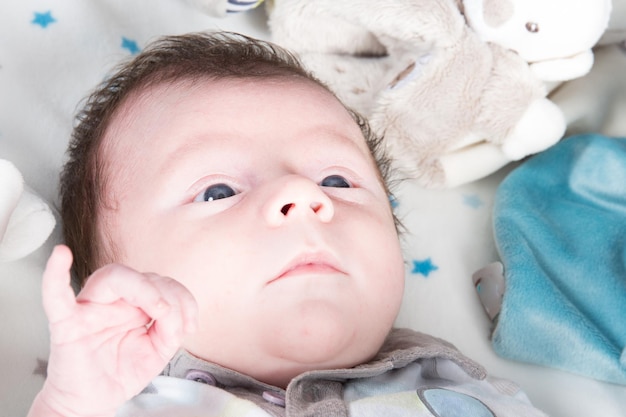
[(413, 375)]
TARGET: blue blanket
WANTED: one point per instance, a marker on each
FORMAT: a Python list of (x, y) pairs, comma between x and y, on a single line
[(560, 229)]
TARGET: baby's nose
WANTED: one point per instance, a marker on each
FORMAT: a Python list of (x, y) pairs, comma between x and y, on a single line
[(294, 196)]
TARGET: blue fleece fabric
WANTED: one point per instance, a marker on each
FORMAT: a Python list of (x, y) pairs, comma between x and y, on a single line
[(560, 229)]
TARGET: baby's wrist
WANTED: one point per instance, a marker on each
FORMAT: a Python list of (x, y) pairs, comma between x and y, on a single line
[(45, 405), (41, 408)]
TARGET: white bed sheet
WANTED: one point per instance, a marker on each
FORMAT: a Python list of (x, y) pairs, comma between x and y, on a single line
[(53, 52)]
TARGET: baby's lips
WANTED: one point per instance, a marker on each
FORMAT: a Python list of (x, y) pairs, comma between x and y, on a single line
[(315, 262)]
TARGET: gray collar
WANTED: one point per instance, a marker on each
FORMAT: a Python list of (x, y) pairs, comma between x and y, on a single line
[(402, 347)]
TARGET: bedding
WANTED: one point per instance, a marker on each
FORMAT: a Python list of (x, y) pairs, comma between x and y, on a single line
[(53, 52)]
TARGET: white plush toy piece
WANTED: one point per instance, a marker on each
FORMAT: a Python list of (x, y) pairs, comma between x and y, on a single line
[(26, 220), (453, 103), (26, 224)]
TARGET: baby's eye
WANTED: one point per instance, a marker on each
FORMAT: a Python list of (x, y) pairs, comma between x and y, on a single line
[(216, 192), (335, 181)]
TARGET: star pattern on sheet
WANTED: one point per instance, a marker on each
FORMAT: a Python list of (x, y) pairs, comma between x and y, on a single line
[(130, 45), (424, 267), (473, 201), (42, 368), (43, 19)]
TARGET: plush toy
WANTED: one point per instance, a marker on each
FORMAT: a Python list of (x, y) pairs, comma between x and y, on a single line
[(26, 225), (26, 221), (455, 98), (558, 222), (220, 8), (616, 30)]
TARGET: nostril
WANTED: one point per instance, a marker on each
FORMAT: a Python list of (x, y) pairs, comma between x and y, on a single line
[(286, 208), (316, 207)]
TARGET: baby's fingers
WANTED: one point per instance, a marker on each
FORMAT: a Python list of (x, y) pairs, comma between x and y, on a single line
[(182, 301), (114, 283), (158, 297), (168, 331), (58, 297)]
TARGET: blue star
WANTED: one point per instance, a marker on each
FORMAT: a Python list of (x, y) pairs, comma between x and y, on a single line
[(130, 45), (43, 19), (424, 267), (472, 200)]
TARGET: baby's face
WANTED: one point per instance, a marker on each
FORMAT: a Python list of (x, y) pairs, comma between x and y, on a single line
[(263, 200)]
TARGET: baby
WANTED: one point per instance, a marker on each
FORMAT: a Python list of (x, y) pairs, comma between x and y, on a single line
[(232, 234)]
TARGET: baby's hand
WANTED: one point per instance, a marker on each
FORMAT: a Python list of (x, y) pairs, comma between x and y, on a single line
[(112, 339)]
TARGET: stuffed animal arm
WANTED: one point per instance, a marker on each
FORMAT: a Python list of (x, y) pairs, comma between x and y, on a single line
[(362, 27), (564, 69), (26, 220)]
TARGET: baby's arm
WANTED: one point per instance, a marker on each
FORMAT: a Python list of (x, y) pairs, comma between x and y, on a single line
[(111, 340)]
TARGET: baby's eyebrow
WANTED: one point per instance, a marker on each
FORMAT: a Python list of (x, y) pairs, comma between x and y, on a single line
[(325, 135), (322, 141), (197, 147)]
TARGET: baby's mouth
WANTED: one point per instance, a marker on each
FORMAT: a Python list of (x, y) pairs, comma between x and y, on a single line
[(309, 264)]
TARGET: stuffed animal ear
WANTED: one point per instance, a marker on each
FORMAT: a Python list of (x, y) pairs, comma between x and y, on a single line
[(497, 12), (26, 220)]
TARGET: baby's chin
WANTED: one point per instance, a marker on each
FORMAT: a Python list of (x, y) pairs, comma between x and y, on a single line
[(318, 343), (279, 370), (278, 345)]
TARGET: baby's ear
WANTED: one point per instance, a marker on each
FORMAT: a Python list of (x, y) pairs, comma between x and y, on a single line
[(220, 8), (26, 221)]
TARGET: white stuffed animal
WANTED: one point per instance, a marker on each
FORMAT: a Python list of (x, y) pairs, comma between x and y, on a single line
[(26, 221), (453, 104)]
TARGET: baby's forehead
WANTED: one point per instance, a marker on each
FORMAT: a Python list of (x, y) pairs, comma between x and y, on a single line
[(150, 95), (153, 99), (145, 111)]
